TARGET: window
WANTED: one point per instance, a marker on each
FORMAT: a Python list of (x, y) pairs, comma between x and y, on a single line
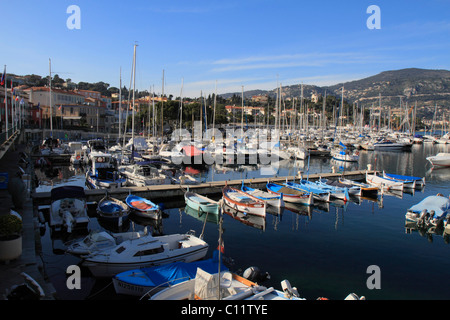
[(120, 249), (149, 252)]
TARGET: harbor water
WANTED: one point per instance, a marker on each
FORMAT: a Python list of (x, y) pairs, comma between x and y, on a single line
[(327, 251)]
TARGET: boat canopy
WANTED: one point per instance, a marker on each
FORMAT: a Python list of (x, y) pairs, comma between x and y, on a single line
[(67, 192), (174, 272)]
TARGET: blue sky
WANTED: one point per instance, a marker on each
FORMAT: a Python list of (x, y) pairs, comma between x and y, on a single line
[(204, 43)]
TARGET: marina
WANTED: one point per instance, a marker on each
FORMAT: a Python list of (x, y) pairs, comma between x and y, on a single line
[(323, 249)]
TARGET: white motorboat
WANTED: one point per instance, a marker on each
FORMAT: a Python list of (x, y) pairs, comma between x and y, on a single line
[(145, 251), (97, 241), (68, 209), (431, 211), (442, 159), (103, 173), (144, 175)]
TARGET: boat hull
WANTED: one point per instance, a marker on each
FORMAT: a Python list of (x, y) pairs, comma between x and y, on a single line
[(254, 206)]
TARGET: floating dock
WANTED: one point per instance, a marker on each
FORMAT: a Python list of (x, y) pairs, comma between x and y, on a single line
[(163, 192)]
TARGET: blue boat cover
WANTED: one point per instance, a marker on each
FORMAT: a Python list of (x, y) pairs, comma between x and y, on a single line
[(440, 205), (109, 206), (174, 272)]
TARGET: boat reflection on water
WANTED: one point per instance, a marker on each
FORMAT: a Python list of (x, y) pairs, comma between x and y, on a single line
[(201, 215), (254, 221), (428, 233)]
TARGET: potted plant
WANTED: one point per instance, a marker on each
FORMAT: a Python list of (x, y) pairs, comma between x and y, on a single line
[(10, 237)]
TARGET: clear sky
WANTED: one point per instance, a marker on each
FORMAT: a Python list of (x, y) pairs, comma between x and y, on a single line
[(228, 43)]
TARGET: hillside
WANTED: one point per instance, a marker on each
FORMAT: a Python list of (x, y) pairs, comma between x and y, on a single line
[(427, 87)]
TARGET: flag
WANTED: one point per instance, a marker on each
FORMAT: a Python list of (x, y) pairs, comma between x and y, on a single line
[(60, 107), (3, 77), (343, 145)]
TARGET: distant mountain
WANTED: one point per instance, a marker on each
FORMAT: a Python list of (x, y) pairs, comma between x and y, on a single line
[(424, 86)]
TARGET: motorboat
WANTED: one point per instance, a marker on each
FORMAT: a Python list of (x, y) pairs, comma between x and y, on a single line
[(387, 145), (345, 155), (144, 175), (243, 201), (103, 173), (145, 251), (143, 207), (99, 240), (68, 209), (290, 194), (442, 159), (431, 211)]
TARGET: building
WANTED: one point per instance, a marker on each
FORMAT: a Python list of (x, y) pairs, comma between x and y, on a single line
[(247, 110)]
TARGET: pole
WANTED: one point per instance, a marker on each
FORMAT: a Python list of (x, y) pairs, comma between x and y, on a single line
[(6, 107), (51, 107)]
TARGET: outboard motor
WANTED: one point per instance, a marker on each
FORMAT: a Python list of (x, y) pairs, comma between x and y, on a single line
[(288, 290), (255, 275)]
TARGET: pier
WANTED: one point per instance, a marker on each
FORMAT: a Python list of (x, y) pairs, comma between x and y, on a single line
[(213, 188)]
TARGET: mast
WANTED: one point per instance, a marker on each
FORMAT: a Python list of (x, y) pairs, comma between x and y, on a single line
[(120, 102), (242, 110), (6, 106), (51, 107), (134, 92), (162, 109), (214, 112), (181, 106)]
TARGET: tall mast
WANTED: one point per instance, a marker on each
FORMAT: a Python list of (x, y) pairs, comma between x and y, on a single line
[(134, 92), (6, 106), (242, 110), (51, 107), (181, 105), (162, 109), (120, 102)]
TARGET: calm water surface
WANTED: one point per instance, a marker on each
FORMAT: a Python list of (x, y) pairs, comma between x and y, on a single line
[(323, 251)]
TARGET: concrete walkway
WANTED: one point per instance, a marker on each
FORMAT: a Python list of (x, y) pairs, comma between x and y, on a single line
[(29, 262)]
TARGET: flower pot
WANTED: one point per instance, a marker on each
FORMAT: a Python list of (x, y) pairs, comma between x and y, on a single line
[(10, 249)]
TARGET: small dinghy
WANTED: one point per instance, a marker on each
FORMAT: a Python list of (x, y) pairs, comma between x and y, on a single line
[(243, 202), (275, 200), (113, 210), (415, 182), (201, 203), (143, 207), (290, 194)]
